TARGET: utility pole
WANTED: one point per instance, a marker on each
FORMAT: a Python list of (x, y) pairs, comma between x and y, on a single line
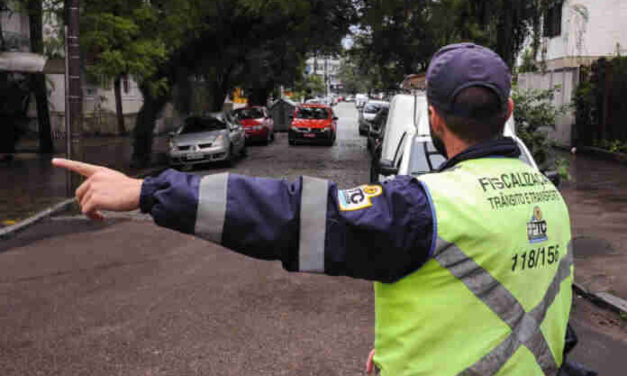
[(73, 92)]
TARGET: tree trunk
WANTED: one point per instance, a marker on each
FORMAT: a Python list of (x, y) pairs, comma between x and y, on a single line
[(38, 81), (259, 96), (145, 126), (217, 93), (119, 112)]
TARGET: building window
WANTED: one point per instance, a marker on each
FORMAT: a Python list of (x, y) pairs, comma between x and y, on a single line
[(553, 20)]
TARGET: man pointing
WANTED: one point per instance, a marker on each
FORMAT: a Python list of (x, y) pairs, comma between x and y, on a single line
[(462, 286)]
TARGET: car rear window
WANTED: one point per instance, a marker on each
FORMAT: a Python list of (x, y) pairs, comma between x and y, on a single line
[(313, 113), (248, 113), (197, 124), (372, 108)]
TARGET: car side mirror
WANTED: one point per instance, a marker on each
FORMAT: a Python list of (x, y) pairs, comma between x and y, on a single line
[(171, 134), (554, 177), (387, 168), (335, 118)]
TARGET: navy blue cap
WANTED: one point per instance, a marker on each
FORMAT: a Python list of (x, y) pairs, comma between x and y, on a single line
[(458, 66)]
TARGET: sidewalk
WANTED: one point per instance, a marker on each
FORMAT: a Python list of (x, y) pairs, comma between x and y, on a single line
[(29, 183), (597, 200)]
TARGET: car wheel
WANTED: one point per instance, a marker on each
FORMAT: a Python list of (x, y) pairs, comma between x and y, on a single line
[(291, 142), (230, 158), (268, 139), (374, 173), (272, 136), (244, 152)]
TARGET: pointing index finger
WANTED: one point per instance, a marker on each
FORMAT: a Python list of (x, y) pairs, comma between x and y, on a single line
[(84, 169)]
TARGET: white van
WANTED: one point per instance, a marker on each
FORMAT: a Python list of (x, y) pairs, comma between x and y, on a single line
[(407, 145)]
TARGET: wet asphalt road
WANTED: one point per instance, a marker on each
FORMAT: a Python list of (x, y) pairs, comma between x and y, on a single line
[(129, 298)]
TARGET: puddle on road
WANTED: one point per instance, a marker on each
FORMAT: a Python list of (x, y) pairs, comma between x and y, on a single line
[(585, 247)]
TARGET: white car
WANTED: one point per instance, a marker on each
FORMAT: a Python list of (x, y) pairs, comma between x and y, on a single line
[(212, 138), (360, 100), (368, 113), (407, 146)]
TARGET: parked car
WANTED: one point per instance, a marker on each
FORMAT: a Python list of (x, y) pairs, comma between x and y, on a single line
[(350, 98), (367, 114), (377, 129), (313, 122), (360, 100), (257, 123), (407, 147), (211, 138)]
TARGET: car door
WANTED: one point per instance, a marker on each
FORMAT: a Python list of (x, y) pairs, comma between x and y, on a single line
[(236, 133)]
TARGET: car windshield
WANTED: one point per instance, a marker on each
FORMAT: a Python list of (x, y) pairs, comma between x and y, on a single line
[(372, 108), (312, 113), (424, 158), (248, 113), (198, 124)]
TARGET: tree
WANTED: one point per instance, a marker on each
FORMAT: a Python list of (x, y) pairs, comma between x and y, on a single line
[(38, 81), (253, 43), (534, 111), (115, 40), (398, 37)]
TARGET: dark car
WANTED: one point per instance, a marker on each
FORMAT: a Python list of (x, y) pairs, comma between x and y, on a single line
[(258, 125), (377, 129), (313, 122)]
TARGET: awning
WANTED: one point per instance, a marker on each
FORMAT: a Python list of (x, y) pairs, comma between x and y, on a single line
[(27, 62)]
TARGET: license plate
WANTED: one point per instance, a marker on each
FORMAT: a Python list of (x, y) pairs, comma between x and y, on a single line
[(309, 135), (193, 157)]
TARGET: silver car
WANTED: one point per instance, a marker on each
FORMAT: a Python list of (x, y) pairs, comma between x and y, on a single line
[(211, 138)]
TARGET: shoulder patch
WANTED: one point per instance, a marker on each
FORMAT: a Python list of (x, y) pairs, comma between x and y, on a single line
[(358, 198)]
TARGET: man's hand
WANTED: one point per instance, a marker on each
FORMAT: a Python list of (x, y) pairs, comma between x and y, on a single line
[(104, 189), (369, 363)]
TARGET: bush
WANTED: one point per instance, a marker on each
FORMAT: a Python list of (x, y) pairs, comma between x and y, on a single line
[(534, 113)]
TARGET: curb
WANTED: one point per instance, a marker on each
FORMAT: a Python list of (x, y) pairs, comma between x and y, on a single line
[(602, 299), (10, 231)]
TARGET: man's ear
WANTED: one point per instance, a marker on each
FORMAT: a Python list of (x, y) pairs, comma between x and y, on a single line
[(435, 120), (510, 107)]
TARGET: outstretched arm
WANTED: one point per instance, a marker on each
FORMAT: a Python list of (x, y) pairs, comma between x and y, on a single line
[(377, 232)]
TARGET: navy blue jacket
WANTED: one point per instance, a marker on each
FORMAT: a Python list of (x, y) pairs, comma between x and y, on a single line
[(375, 232)]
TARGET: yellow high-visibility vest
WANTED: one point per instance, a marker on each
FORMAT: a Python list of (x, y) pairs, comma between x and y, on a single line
[(495, 296)]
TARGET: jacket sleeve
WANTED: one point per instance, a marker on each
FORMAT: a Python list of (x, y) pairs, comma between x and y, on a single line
[(375, 232)]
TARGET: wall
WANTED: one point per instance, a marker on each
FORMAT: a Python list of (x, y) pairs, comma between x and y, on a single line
[(602, 34), (566, 80), (98, 107)]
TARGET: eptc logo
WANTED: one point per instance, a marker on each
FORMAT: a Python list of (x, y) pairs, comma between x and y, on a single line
[(536, 228)]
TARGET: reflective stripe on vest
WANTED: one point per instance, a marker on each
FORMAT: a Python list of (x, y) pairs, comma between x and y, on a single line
[(525, 325)]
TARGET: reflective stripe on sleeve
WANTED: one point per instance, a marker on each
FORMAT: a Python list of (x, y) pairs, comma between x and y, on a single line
[(313, 219), (211, 207), (525, 325)]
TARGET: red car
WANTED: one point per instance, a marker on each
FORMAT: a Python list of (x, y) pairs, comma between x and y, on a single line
[(258, 125), (313, 122)]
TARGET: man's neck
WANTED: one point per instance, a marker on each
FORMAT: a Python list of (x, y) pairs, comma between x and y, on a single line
[(456, 147)]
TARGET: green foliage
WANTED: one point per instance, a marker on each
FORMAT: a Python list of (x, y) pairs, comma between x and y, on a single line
[(614, 146), (599, 103), (117, 38), (398, 37), (353, 79), (533, 113), (528, 63), (308, 86)]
